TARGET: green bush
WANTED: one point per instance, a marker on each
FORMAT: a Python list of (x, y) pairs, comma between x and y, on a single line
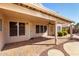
[(60, 33), (65, 32)]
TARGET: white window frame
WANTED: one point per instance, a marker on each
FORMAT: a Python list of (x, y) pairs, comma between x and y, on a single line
[(40, 28), (59, 25), (17, 28)]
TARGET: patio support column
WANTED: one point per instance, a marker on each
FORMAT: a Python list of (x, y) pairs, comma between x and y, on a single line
[(71, 31), (55, 32), (2, 41)]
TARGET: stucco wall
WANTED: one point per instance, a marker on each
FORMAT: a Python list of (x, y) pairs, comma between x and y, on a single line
[(33, 30), (10, 39), (30, 28)]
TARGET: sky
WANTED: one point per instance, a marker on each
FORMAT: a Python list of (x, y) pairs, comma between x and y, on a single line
[(68, 10)]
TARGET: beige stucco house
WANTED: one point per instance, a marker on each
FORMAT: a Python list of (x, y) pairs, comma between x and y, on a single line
[(22, 21)]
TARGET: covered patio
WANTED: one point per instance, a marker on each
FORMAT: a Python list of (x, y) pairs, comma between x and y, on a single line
[(31, 17)]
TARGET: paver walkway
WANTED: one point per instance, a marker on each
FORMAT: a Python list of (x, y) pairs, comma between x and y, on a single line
[(34, 47), (68, 48), (43, 47), (55, 52), (72, 48)]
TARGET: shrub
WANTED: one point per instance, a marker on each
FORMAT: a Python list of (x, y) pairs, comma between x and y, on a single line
[(66, 29), (65, 32), (60, 33)]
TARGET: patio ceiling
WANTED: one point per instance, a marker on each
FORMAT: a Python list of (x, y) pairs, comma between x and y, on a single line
[(31, 18), (26, 11)]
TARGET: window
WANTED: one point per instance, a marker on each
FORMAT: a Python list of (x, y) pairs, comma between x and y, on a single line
[(0, 24), (58, 28), (13, 28), (45, 28), (41, 29), (21, 28), (37, 28)]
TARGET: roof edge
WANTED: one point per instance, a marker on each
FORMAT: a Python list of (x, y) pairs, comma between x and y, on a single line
[(47, 11)]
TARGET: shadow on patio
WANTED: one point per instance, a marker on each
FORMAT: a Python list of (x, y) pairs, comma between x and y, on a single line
[(28, 42)]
